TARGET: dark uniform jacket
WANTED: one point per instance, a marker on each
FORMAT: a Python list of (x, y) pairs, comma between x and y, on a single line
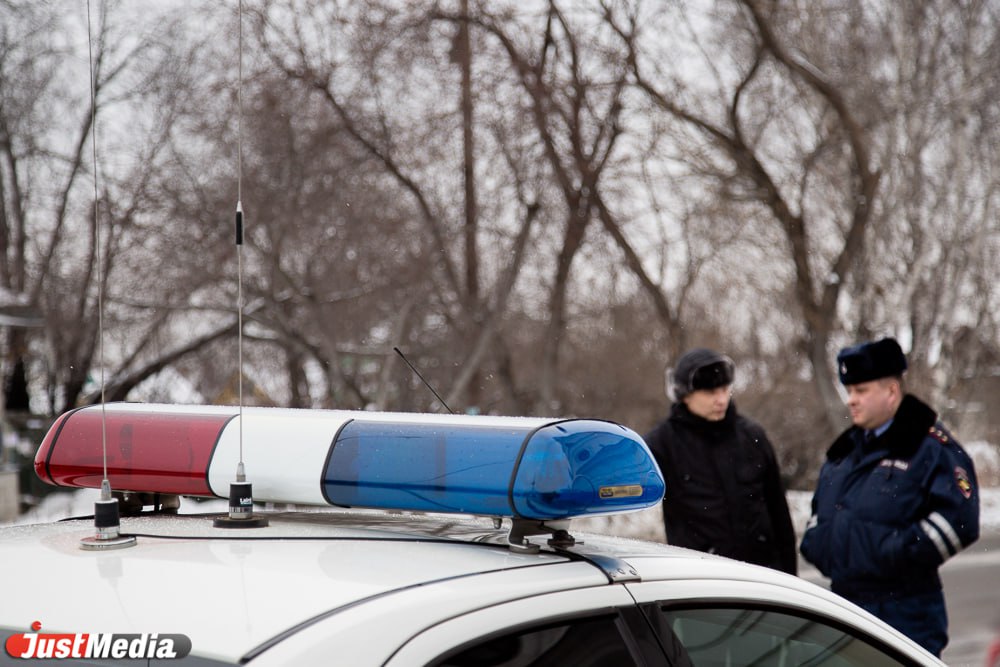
[(723, 488), (888, 512)]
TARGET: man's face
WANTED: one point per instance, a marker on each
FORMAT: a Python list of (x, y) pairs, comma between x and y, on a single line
[(710, 404), (873, 403)]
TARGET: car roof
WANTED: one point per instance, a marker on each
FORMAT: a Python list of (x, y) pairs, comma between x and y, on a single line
[(233, 590), (237, 592)]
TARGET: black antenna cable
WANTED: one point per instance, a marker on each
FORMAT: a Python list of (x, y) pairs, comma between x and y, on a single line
[(426, 383)]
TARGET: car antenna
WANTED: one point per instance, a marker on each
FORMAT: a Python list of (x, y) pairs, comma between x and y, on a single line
[(107, 521), (426, 383), (240, 491)]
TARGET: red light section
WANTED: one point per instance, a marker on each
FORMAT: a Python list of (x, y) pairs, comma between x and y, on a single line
[(147, 451)]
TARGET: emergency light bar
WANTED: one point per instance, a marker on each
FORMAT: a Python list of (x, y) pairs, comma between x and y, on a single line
[(527, 468)]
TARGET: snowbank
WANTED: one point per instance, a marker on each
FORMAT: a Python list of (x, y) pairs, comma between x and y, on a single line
[(648, 524)]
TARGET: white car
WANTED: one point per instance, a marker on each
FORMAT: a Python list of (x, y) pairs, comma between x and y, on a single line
[(469, 559)]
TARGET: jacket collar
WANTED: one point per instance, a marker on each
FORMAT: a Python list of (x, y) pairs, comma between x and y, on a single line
[(913, 420), (679, 412)]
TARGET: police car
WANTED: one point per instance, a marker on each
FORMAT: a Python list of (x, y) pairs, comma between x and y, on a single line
[(389, 539)]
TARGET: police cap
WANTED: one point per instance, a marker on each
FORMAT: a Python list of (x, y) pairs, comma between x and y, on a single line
[(871, 361)]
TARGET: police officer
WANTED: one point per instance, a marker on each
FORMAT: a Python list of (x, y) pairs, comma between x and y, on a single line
[(723, 487), (895, 498)]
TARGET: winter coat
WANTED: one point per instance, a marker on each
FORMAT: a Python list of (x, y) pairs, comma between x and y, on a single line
[(888, 512), (723, 488)]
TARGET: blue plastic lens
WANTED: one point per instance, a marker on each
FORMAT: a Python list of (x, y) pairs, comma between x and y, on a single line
[(585, 467), (431, 468), (565, 469)]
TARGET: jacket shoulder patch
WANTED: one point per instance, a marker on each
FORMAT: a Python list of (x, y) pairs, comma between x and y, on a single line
[(962, 482)]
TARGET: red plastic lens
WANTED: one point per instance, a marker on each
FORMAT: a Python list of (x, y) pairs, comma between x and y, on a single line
[(149, 451)]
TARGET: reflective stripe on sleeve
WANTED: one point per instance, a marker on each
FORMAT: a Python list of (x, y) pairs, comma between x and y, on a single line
[(936, 538), (946, 529)]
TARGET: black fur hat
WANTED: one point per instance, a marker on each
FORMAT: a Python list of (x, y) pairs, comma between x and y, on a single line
[(871, 361), (700, 368)]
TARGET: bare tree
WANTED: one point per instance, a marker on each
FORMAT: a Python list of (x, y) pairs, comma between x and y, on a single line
[(53, 233), (352, 84), (539, 203), (932, 279), (751, 172)]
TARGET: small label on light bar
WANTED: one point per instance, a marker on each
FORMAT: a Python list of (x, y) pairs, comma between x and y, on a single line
[(629, 491)]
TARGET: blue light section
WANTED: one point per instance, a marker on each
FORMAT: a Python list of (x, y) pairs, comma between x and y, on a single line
[(585, 467), (425, 467), (564, 469)]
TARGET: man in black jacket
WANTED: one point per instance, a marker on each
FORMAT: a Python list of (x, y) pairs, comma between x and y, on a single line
[(723, 487)]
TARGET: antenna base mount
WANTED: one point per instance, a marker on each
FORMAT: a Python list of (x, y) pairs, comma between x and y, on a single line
[(240, 508)]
